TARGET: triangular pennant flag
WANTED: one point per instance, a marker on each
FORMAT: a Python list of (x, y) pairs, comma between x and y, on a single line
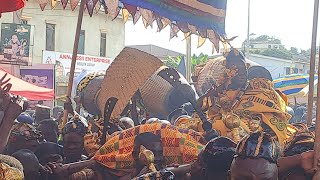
[(74, 4), (90, 4), (192, 29), (201, 41), (174, 31), (186, 35), (64, 3), (159, 23), (125, 15), (202, 32), (131, 9), (97, 7), (147, 16), (145, 22), (214, 39), (183, 27), (42, 4), (113, 8), (165, 22), (136, 17), (53, 3)]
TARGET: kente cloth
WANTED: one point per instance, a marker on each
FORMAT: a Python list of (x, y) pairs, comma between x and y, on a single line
[(180, 146), (261, 102), (10, 173), (159, 175)]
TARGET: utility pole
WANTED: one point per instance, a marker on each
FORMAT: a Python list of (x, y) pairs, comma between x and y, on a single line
[(248, 33)]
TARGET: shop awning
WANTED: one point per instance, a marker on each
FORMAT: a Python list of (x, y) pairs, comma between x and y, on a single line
[(27, 90)]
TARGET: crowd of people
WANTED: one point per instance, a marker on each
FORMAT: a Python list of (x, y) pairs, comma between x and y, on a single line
[(247, 133)]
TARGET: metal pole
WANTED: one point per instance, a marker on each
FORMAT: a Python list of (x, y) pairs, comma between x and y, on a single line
[(248, 32), (74, 56), (312, 61), (188, 59)]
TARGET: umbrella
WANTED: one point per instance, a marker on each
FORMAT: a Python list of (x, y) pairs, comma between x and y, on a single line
[(205, 18), (11, 5), (292, 85)]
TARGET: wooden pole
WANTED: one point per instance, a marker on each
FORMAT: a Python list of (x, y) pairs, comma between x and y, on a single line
[(248, 33), (317, 133), (188, 59), (74, 57), (312, 61)]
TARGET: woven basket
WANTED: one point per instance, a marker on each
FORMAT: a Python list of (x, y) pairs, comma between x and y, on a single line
[(159, 96), (127, 73), (89, 95), (213, 70)]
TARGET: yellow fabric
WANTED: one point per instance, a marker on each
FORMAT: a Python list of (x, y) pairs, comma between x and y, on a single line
[(259, 103), (10, 173)]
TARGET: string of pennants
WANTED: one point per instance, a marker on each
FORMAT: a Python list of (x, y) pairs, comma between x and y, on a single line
[(215, 33)]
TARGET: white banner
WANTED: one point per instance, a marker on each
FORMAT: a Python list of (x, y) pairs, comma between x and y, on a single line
[(84, 62)]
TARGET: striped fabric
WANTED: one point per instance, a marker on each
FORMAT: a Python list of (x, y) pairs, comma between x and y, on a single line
[(292, 84), (204, 14)]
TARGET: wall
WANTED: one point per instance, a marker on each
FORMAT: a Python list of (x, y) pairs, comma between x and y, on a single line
[(277, 67), (65, 21)]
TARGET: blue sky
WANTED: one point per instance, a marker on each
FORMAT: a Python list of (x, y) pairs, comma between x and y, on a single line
[(288, 20)]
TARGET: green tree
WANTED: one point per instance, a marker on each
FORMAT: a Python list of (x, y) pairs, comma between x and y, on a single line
[(173, 62), (294, 50), (195, 60), (277, 53)]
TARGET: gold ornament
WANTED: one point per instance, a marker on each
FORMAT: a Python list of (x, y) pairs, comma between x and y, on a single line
[(232, 121)]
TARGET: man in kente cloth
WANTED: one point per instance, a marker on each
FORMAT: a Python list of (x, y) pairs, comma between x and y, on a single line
[(238, 104)]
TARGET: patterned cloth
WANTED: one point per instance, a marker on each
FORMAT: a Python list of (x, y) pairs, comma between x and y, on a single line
[(261, 108), (25, 131), (180, 146), (75, 125)]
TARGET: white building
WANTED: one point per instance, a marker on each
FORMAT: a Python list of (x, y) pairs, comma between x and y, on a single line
[(54, 30), (280, 67)]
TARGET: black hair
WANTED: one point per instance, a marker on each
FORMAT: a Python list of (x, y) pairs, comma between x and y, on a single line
[(29, 162), (49, 123), (218, 154), (48, 148)]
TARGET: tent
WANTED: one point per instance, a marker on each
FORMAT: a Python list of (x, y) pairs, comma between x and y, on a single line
[(27, 90)]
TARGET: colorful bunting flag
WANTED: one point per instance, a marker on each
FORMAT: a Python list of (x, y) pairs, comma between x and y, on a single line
[(74, 4), (64, 3), (43, 4), (90, 4), (53, 4)]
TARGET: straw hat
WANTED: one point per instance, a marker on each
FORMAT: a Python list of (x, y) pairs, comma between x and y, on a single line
[(228, 68), (127, 73)]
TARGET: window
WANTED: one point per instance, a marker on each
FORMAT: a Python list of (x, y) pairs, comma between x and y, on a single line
[(24, 21), (288, 70), (50, 37), (103, 44), (81, 42), (269, 46)]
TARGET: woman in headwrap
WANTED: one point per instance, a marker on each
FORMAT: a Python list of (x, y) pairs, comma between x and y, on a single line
[(23, 136)]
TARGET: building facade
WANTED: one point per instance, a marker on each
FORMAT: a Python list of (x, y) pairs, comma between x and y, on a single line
[(280, 67), (54, 30)]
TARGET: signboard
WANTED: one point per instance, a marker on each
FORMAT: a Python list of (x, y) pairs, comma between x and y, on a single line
[(39, 75), (15, 44), (63, 63)]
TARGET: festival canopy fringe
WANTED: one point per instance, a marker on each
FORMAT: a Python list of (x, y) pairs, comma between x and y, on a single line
[(205, 18)]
